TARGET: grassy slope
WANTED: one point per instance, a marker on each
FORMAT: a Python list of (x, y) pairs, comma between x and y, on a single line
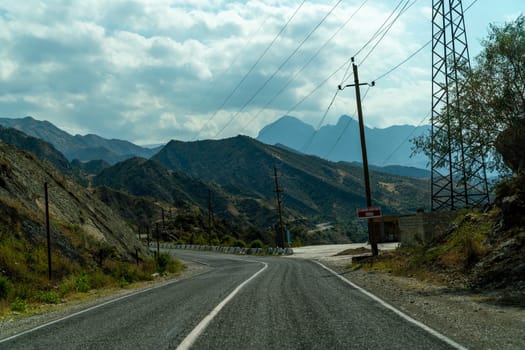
[(475, 254)]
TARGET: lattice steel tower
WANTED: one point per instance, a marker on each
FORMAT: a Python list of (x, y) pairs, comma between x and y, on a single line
[(458, 174)]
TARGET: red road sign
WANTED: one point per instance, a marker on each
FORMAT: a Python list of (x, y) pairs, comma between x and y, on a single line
[(368, 213)]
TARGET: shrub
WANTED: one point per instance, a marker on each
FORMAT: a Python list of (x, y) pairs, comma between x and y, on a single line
[(239, 243), (166, 263), (228, 241), (82, 283), (257, 244), (75, 283), (49, 297), (122, 282), (19, 305), (98, 279), (5, 287)]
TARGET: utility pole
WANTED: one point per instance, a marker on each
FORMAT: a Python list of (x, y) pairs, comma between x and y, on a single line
[(280, 234), (48, 231), (163, 222), (371, 232), (158, 241), (210, 213)]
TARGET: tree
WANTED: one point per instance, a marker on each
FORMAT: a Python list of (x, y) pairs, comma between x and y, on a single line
[(491, 98)]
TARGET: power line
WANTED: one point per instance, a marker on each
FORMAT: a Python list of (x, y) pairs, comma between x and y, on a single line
[(227, 70), (279, 68), (417, 51), (406, 139), (405, 7), (252, 67), (377, 32), (310, 140), (305, 65), (375, 35), (404, 61), (344, 129)]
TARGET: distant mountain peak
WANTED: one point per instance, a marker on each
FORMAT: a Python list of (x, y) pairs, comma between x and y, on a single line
[(340, 142), (84, 148)]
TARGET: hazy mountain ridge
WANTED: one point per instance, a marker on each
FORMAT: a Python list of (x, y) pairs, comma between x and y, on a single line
[(341, 142), (84, 148), (313, 187)]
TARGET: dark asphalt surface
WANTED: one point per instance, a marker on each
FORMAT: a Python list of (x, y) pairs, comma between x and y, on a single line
[(293, 304)]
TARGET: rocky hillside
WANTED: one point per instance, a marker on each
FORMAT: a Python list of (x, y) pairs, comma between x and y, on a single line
[(313, 187), (40, 148), (80, 222)]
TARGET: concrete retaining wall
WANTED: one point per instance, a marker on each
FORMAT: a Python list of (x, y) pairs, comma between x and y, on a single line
[(422, 228), (230, 250)]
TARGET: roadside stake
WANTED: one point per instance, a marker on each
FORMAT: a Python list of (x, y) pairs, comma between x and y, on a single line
[(396, 311)]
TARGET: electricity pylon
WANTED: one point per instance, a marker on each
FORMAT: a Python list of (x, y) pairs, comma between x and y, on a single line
[(458, 177)]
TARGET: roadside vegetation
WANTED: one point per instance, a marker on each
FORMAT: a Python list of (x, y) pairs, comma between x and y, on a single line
[(481, 249), (448, 259), (24, 283)]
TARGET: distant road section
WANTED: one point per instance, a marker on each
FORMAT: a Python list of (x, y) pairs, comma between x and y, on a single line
[(239, 303)]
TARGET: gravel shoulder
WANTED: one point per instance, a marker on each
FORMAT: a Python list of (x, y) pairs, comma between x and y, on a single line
[(471, 319), (13, 324)]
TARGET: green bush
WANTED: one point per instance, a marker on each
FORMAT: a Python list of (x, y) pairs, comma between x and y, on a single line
[(98, 279), (5, 287), (19, 305), (239, 243), (228, 241), (122, 282), (165, 263), (82, 283), (49, 297), (257, 244), (75, 283)]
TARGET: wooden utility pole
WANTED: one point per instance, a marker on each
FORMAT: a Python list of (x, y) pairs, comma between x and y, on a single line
[(280, 234), (48, 232), (371, 233), (210, 213), (158, 240)]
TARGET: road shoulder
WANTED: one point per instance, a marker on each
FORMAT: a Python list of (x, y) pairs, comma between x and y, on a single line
[(471, 319)]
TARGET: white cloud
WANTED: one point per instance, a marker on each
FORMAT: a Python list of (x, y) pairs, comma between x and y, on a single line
[(162, 68)]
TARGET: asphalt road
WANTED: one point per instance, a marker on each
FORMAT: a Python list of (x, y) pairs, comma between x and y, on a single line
[(239, 303)]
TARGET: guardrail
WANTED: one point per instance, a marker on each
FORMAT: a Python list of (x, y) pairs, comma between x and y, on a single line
[(230, 250)]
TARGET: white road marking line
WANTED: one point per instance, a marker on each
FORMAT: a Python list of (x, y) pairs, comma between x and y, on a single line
[(95, 307), (199, 329), (398, 312)]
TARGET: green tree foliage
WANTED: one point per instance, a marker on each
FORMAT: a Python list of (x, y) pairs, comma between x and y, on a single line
[(491, 97)]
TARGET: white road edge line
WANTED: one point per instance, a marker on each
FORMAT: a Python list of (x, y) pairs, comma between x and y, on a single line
[(199, 329), (396, 311), (94, 307)]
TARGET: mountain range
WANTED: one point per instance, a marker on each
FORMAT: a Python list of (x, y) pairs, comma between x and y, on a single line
[(341, 142), (233, 178), (84, 148)]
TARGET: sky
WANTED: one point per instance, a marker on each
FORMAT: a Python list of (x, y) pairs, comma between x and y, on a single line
[(149, 71)]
